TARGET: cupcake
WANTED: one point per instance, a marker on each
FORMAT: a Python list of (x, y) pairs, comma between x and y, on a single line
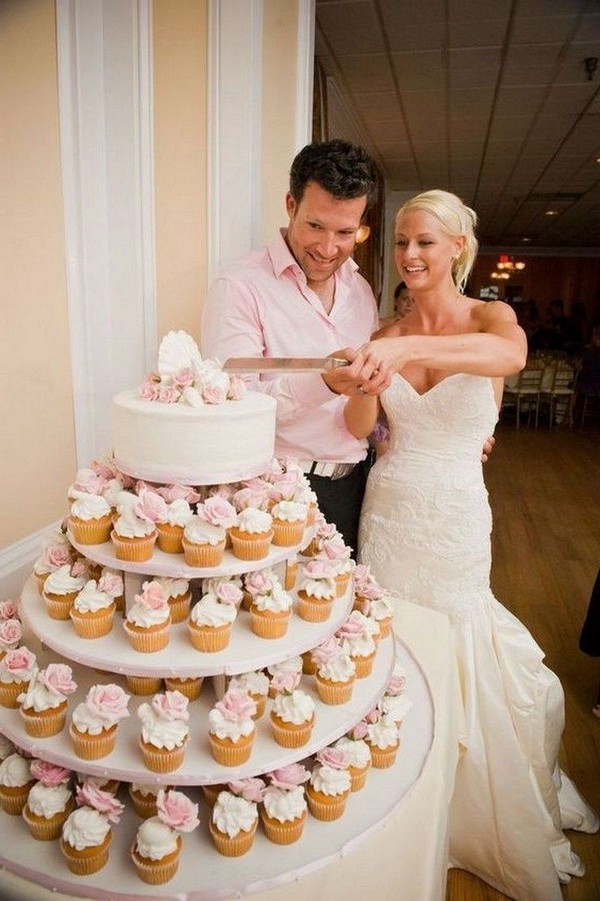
[(309, 664), (106, 784), (50, 801), (252, 535), (335, 551), (289, 522), (293, 712), (148, 621), (291, 573), (179, 597), (143, 685), (372, 600), (271, 612), (90, 520), (317, 592), (143, 798), (260, 581), (359, 755), (210, 793), (393, 702), (94, 723), (134, 532), (15, 783), (43, 706), (233, 824), (11, 633), (289, 665), (383, 739), (284, 808), (210, 623), (165, 731), (17, 669), (189, 686), (157, 845), (231, 728), (92, 611), (171, 519), (217, 512), (257, 685), (336, 673), (56, 552), (111, 583), (356, 639), (61, 588), (6, 747), (86, 833), (329, 787), (203, 543)]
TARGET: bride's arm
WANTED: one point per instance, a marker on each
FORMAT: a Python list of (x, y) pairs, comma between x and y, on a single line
[(361, 413), (497, 348)]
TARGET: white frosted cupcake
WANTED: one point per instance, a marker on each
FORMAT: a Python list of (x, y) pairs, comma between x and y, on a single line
[(17, 668), (94, 723), (171, 522), (336, 672), (50, 800), (134, 532), (60, 590), (233, 824), (86, 833), (143, 797), (43, 706), (148, 621), (356, 639), (289, 665), (231, 728), (165, 731), (256, 683), (292, 714), (271, 612), (359, 755), (284, 809), (157, 846), (92, 611), (330, 784), (203, 543), (90, 521), (210, 623), (289, 521), (317, 592), (179, 597), (383, 738), (15, 783), (252, 535)]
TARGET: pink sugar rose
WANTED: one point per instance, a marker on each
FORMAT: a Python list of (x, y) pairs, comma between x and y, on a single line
[(260, 581), (49, 773), (351, 628), (106, 468), (290, 776), (79, 568), (168, 394), (11, 632), (56, 556), (178, 493), (154, 506), (237, 388), (175, 809), (336, 758), (153, 596), (19, 659), (218, 512), (395, 686), (111, 583), (285, 682), (171, 705), (236, 705), (327, 652), (184, 378), (108, 702), (214, 394), (359, 731), (326, 530), (251, 497), (9, 610), (334, 550), (251, 789), (89, 482), (226, 491), (228, 593), (144, 507), (104, 802), (58, 679), (318, 569), (373, 716), (149, 390)]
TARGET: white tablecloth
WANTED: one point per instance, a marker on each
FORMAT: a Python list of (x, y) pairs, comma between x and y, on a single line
[(407, 857)]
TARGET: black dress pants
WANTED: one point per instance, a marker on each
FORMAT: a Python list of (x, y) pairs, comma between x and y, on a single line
[(340, 501)]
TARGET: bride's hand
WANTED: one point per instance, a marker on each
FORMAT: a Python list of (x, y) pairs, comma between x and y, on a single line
[(386, 353)]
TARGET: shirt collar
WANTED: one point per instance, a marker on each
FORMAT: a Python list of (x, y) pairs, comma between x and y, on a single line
[(282, 258)]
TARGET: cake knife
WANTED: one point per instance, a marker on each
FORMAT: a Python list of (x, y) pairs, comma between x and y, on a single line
[(282, 364)]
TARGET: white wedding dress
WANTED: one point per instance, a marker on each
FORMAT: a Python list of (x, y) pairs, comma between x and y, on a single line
[(425, 532)]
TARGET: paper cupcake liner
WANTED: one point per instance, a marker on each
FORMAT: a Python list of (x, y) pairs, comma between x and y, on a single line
[(162, 760), (59, 606), (270, 625), (309, 666), (326, 807), (10, 691), (364, 665), (144, 805), (40, 579), (210, 793), (169, 538), (87, 861), (43, 723), (92, 531), (147, 641), (232, 847), (383, 758), (342, 580), (291, 573), (44, 830), (13, 798), (209, 640), (385, 627), (93, 747), (246, 601), (287, 534), (143, 685), (93, 625), (334, 692), (180, 607), (202, 555), (312, 610), (290, 735), (133, 550), (253, 547), (261, 705), (231, 753), (189, 687), (358, 775), (285, 833), (156, 872)]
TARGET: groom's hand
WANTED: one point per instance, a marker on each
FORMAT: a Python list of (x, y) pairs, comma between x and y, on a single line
[(359, 377)]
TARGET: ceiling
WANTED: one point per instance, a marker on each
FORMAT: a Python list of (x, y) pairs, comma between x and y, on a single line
[(489, 99)]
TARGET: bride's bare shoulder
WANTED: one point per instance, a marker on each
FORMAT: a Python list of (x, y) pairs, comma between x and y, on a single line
[(388, 331)]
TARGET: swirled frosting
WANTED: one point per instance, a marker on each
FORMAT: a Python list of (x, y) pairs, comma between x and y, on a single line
[(178, 513), (198, 531), (90, 599), (162, 733), (320, 588), (254, 521), (276, 601), (209, 611), (255, 682), (290, 511), (232, 814), (48, 800), (330, 780), (90, 506), (356, 749), (232, 729), (291, 665), (155, 839), (146, 617), (85, 828), (175, 588), (296, 708), (38, 697), (340, 669), (284, 804), (62, 582), (383, 733), (14, 771), (397, 707), (128, 523)]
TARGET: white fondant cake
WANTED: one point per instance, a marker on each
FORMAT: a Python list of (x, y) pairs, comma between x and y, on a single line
[(203, 445)]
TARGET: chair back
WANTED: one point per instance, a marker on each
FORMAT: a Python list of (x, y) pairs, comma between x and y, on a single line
[(563, 376), (530, 378)]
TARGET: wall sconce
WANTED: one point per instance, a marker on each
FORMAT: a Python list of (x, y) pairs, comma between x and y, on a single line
[(590, 64)]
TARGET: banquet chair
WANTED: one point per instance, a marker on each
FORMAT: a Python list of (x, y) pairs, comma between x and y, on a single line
[(525, 393), (560, 394)]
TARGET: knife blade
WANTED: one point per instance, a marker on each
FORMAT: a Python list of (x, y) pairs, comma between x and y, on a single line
[(282, 364)]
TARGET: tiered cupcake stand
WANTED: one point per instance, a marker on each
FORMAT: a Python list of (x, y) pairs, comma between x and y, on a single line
[(203, 873)]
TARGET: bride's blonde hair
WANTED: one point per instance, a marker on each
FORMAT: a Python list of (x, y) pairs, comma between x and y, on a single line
[(456, 219)]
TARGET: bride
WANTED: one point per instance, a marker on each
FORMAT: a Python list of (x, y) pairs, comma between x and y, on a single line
[(425, 533)]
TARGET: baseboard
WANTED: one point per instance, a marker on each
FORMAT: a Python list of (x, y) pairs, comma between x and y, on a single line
[(16, 561)]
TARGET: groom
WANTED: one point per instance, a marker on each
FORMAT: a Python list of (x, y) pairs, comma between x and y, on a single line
[(302, 295)]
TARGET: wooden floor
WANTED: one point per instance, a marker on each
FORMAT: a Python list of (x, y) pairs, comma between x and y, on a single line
[(544, 490)]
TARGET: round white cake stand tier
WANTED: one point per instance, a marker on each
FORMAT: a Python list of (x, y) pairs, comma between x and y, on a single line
[(113, 652), (174, 565), (199, 767), (203, 874)]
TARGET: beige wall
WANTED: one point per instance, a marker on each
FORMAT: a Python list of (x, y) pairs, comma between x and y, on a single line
[(38, 446), (180, 69)]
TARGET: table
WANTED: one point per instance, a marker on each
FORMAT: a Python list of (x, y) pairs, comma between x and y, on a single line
[(408, 854)]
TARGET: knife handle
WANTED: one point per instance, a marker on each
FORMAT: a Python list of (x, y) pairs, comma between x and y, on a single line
[(336, 362)]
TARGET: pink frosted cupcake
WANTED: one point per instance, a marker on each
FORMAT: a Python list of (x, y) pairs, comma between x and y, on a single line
[(231, 728), (157, 845), (293, 665), (94, 723), (86, 833), (148, 621), (56, 552), (49, 802), (260, 581), (44, 704), (284, 809), (330, 785), (334, 551), (394, 702), (165, 731), (359, 754), (15, 783), (205, 541), (92, 611), (111, 583), (289, 522), (233, 824), (17, 669), (252, 534), (179, 596), (317, 592), (293, 712), (372, 600), (210, 622), (90, 520), (336, 672), (356, 639), (271, 612), (61, 588), (257, 685), (171, 518), (134, 532), (383, 739)]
